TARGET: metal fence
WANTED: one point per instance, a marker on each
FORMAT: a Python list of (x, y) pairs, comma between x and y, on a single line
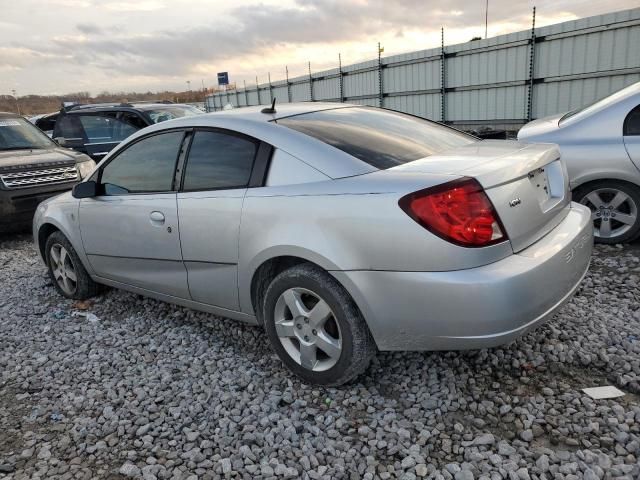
[(501, 82)]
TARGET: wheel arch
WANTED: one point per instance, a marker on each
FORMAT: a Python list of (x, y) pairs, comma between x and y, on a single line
[(269, 266), (583, 181), (44, 232)]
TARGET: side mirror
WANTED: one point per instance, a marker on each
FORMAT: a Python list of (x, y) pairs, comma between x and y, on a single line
[(88, 189), (61, 141)]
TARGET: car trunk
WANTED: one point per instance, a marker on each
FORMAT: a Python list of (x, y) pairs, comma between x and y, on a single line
[(527, 183)]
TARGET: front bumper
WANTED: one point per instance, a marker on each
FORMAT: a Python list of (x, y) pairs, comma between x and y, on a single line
[(18, 206), (479, 307)]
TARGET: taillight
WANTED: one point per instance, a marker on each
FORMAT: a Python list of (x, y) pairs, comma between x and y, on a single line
[(458, 211)]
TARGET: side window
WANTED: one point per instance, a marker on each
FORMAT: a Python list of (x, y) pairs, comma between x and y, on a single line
[(129, 124), (109, 126), (97, 128), (219, 160), (69, 127), (632, 122), (146, 166)]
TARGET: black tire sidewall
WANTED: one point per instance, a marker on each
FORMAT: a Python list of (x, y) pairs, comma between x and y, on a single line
[(630, 189), (323, 285)]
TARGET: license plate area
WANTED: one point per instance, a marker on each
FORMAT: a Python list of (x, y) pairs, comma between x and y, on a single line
[(548, 185)]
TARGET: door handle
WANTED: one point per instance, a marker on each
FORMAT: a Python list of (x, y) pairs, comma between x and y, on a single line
[(157, 218)]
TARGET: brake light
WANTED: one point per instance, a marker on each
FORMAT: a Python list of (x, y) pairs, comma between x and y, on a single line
[(459, 212)]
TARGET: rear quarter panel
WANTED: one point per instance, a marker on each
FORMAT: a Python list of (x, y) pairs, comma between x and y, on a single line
[(345, 225)]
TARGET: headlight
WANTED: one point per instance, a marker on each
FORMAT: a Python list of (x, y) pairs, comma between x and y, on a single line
[(85, 168)]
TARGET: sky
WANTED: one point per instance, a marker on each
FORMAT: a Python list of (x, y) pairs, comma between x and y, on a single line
[(63, 46)]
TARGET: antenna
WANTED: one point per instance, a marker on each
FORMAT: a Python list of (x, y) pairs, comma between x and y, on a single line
[(271, 109)]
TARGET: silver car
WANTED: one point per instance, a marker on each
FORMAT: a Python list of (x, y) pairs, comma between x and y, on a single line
[(341, 229), (601, 146)]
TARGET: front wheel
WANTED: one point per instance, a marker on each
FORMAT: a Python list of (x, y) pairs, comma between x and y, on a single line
[(614, 210), (315, 327), (66, 270)]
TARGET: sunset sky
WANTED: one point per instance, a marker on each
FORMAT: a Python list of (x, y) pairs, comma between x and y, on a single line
[(60, 46)]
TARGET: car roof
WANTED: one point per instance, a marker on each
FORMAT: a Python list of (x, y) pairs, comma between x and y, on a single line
[(282, 110), (250, 121), (10, 115), (106, 107)]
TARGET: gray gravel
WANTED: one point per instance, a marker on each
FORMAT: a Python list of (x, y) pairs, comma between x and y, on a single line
[(142, 389)]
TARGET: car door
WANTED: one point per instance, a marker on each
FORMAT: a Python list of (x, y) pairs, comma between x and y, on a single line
[(631, 132), (216, 175), (130, 231)]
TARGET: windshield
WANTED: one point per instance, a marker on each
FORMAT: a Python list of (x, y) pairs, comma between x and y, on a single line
[(602, 103), (19, 134), (381, 138), (162, 114)]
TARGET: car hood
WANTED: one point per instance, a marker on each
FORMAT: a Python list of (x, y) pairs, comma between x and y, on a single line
[(20, 158), (539, 128)]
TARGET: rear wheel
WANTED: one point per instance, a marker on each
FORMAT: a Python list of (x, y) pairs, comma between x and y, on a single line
[(615, 210), (66, 270), (315, 327)]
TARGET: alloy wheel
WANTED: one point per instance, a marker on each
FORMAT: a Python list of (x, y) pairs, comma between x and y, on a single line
[(63, 269), (307, 329), (613, 211)]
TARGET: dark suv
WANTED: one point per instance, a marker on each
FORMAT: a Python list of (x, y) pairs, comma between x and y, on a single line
[(97, 129), (32, 168)]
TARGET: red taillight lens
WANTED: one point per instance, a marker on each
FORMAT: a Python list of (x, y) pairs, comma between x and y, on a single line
[(458, 211)]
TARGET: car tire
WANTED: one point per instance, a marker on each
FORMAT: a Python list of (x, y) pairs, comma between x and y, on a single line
[(66, 270), (315, 327), (610, 201)]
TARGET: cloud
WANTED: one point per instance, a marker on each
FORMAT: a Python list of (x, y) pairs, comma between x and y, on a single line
[(89, 28), (247, 33)]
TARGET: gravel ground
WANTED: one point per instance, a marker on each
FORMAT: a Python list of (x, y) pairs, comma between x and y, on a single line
[(149, 390)]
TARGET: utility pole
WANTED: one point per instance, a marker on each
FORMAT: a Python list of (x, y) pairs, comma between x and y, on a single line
[(341, 80), (486, 18), (380, 86), (16, 99)]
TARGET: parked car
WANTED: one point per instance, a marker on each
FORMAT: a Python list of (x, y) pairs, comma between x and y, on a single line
[(32, 168), (601, 147), (341, 229), (96, 129), (45, 122)]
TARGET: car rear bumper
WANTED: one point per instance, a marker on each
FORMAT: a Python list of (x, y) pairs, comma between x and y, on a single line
[(479, 307)]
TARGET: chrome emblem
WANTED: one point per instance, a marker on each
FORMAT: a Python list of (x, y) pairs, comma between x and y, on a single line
[(515, 202)]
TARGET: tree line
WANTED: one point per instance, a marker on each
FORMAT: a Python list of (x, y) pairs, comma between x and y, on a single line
[(37, 104)]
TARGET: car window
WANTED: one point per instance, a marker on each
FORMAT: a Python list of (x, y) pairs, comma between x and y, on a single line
[(218, 160), (69, 128), (146, 166), (106, 127), (162, 114), (20, 134), (381, 138), (632, 122)]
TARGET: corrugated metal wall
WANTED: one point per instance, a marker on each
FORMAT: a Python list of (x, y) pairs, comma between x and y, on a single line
[(502, 81)]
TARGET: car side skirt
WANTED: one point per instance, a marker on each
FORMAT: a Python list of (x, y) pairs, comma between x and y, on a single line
[(203, 307)]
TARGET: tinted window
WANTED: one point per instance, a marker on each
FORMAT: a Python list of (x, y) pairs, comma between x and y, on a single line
[(632, 122), (20, 134), (162, 114), (378, 137), (146, 166), (69, 128), (218, 160), (106, 127)]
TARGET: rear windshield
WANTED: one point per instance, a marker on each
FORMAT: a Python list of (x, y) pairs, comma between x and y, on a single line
[(19, 134), (381, 138), (162, 114)]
